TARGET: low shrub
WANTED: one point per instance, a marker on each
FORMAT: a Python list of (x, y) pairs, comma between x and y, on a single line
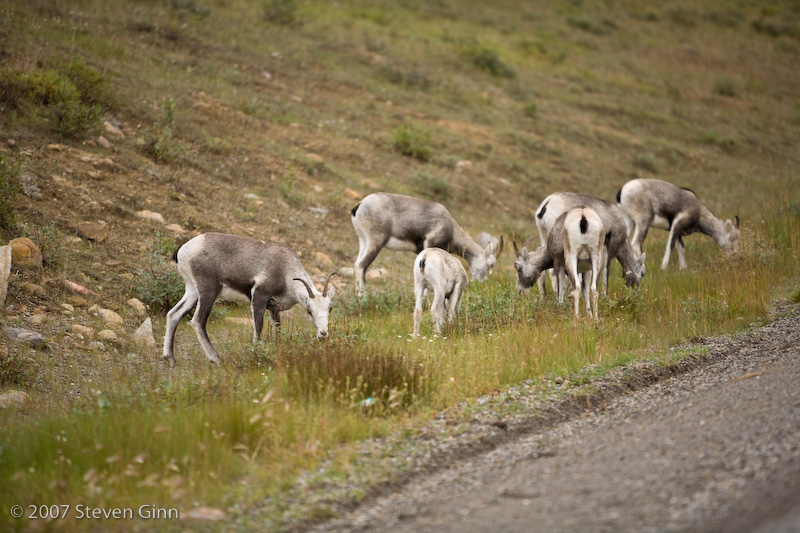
[(487, 60), (412, 141)]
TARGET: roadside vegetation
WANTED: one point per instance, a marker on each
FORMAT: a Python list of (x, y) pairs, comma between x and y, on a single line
[(272, 119)]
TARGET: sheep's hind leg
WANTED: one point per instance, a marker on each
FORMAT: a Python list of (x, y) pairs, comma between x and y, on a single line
[(204, 306)]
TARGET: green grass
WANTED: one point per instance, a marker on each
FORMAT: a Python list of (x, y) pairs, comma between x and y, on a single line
[(218, 100)]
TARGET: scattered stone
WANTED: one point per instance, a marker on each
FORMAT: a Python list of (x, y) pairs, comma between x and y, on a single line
[(93, 231), (322, 261), (112, 129), (97, 346), (107, 335), (372, 184), (321, 211), (353, 195), (137, 306), (102, 141), (13, 397), (25, 336), (34, 289), (95, 175), (25, 253), (375, 274), (85, 331), (464, 166), (559, 380), (175, 228), (315, 157), (346, 272), (5, 272), (151, 215), (80, 289), (37, 319), (68, 308), (106, 164), (76, 301), (144, 334), (29, 186), (205, 513), (251, 196), (111, 317), (55, 147)]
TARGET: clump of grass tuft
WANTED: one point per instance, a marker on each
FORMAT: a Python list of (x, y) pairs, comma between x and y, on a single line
[(50, 100), (591, 26), (160, 287), (412, 141), (433, 187), (646, 162), (14, 369), (354, 376), (531, 109), (161, 145), (281, 12), (726, 87), (487, 60), (9, 189)]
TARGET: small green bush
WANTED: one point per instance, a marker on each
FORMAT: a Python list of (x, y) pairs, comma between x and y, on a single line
[(14, 369), (487, 60), (530, 109), (412, 141), (160, 285), (9, 188), (51, 100), (281, 12), (433, 187), (161, 145), (726, 87), (646, 162)]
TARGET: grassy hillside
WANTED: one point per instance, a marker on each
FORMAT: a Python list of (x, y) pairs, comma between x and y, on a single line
[(272, 118)]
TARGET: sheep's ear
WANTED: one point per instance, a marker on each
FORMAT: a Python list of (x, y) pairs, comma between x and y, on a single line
[(516, 248), (331, 291), (644, 254), (736, 221)]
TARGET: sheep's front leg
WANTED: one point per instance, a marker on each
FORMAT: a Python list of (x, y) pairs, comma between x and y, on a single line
[(367, 252), (641, 225), (175, 315)]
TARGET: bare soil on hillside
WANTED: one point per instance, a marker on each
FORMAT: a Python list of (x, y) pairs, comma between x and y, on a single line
[(714, 448)]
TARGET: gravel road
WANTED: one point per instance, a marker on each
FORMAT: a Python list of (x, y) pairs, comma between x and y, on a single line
[(716, 448)]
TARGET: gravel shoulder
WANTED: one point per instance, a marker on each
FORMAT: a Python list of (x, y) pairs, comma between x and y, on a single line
[(714, 448)]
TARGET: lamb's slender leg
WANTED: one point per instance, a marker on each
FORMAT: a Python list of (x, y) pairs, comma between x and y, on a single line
[(419, 299), (586, 284), (438, 311), (205, 303), (572, 271), (175, 315), (455, 299), (598, 260)]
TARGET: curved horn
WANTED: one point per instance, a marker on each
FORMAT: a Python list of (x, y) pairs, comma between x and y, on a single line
[(516, 248), (325, 288), (528, 241), (308, 288), (499, 250)]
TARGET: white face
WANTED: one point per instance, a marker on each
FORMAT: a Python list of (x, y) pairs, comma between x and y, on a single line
[(526, 273), (479, 268), (731, 245), (319, 310)]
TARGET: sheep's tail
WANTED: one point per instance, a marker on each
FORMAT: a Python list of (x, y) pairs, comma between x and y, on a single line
[(353, 212), (584, 224), (422, 265)]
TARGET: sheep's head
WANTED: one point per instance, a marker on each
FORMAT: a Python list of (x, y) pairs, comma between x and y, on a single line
[(492, 252), (637, 270), (318, 306), (527, 273), (730, 236)]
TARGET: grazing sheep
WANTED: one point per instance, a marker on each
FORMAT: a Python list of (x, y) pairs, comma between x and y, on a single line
[(583, 240), (403, 223), (658, 204), (442, 273), (268, 273), (555, 205), (493, 247)]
